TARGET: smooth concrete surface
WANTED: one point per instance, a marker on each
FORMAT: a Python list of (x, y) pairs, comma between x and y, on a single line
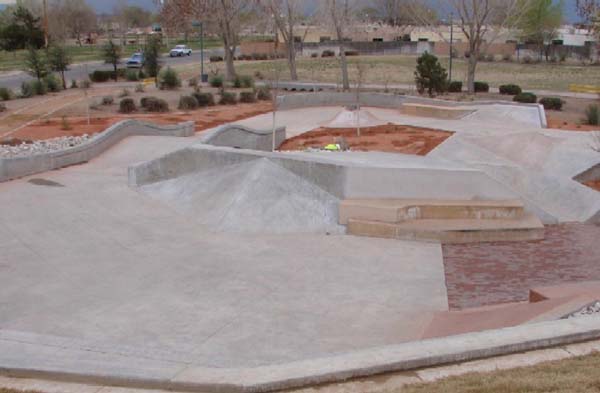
[(87, 259), (240, 137), (12, 168)]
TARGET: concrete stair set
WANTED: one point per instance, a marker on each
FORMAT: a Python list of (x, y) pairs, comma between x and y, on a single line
[(444, 221)]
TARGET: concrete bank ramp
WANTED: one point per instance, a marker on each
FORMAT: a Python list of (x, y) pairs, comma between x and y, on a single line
[(250, 197)]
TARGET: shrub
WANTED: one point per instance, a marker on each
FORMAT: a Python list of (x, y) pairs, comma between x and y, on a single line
[(204, 99), (124, 93), (5, 94), (455, 86), (74, 84), (193, 82), (65, 125), (527, 59), (187, 103), (99, 76), (592, 115), (351, 53), (489, 57), (168, 79), (53, 85), (107, 100), (314, 55), (139, 88), (244, 81), (510, 89), (247, 96), (216, 59), (552, 103), (328, 53), (508, 58), (481, 87), (157, 105), (259, 75), (563, 57), (216, 81), (127, 105), (26, 89), (264, 94), (228, 98), (38, 87), (145, 100), (525, 98), (132, 76), (430, 76), (85, 84)]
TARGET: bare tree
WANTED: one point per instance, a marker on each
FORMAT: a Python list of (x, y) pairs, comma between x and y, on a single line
[(338, 14), (79, 18), (481, 21), (399, 12), (285, 15)]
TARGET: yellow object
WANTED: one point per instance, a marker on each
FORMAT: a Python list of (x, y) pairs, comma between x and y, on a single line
[(585, 89), (332, 147), (148, 81)]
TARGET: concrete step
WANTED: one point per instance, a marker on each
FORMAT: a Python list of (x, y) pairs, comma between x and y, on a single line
[(398, 210), (525, 228)]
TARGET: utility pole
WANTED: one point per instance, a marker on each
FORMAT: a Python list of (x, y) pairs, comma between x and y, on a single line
[(45, 22), (451, 49)]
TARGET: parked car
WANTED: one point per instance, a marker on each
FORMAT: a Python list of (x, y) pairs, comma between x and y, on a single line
[(180, 50), (136, 60)]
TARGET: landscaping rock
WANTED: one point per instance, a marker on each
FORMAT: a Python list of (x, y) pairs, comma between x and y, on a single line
[(42, 146)]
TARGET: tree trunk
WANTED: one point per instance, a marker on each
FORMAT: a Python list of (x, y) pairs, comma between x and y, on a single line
[(116, 74), (471, 67), (344, 66), (292, 60), (62, 75), (229, 66)]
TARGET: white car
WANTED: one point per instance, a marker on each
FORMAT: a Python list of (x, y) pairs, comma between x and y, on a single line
[(180, 50)]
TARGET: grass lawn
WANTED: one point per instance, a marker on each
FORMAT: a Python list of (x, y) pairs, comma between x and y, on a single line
[(400, 69)]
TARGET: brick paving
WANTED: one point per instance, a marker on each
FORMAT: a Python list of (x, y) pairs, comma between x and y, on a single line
[(492, 273)]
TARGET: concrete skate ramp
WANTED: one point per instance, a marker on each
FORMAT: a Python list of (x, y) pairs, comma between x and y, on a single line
[(347, 119), (507, 114), (250, 197)]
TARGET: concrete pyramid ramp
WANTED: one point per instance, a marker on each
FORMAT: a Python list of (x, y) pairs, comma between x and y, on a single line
[(347, 119), (252, 197)]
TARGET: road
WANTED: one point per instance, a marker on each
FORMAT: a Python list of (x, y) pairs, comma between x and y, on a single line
[(13, 80)]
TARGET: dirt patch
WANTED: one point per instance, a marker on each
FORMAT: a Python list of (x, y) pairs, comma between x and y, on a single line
[(595, 184), (387, 138), (557, 122), (204, 119)]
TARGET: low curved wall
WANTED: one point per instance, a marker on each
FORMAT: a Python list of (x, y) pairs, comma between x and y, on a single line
[(12, 168), (238, 136)]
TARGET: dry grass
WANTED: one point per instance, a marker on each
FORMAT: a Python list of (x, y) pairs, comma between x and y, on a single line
[(577, 375), (400, 70)]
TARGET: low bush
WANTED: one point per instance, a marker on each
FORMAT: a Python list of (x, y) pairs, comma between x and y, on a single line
[(127, 105), (228, 98), (65, 124), (328, 53), (139, 88), (216, 59), (74, 84), (52, 83), (264, 94), (107, 100), (247, 97), (132, 76), (243, 81), (351, 53), (314, 55), (85, 84), (156, 105), (216, 81), (525, 98), (193, 82), (528, 59), (99, 76), (592, 115), (26, 89), (204, 99), (259, 75), (510, 89), (481, 87), (508, 58), (187, 103), (168, 79), (455, 86), (124, 93), (5, 94), (489, 57), (552, 103)]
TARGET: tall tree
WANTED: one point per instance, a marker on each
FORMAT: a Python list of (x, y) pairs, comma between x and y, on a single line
[(338, 15), (35, 63), (589, 11), (111, 53), (285, 14), (539, 22), (152, 58), (401, 12), (22, 31), (59, 61)]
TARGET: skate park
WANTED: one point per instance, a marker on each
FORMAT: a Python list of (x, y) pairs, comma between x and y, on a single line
[(165, 255)]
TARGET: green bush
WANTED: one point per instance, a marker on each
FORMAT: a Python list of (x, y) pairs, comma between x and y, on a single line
[(132, 76), (168, 79), (193, 82), (139, 88), (216, 59), (204, 99), (228, 98), (26, 89), (264, 94), (592, 115), (247, 97), (510, 89), (52, 83), (525, 98), (154, 104), (328, 53), (107, 100), (244, 81), (74, 84), (187, 103), (5, 94), (481, 87), (351, 53), (216, 81), (103, 75), (552, 103), (127, 105), (144, 101), (455, 86), (430, 76), (85, 84)]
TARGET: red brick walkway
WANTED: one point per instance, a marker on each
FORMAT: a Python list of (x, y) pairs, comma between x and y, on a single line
[(492, 273)]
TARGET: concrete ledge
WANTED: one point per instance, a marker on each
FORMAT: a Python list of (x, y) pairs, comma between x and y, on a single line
[(66, 361), (12, 168), (240, 137)]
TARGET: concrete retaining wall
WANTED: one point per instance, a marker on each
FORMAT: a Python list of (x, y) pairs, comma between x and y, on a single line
[(12, 168), (238, 136)]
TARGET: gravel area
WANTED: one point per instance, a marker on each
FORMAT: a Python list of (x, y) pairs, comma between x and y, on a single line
[(589, 310), (43, 146)]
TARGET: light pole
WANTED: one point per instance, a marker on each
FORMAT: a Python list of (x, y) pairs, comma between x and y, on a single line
[(203, 76), (451, 41)]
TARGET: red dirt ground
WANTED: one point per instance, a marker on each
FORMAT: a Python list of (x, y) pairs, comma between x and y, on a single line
[(595, 184), (493, 273), (554, 122), (204, 118), (388, 138)]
